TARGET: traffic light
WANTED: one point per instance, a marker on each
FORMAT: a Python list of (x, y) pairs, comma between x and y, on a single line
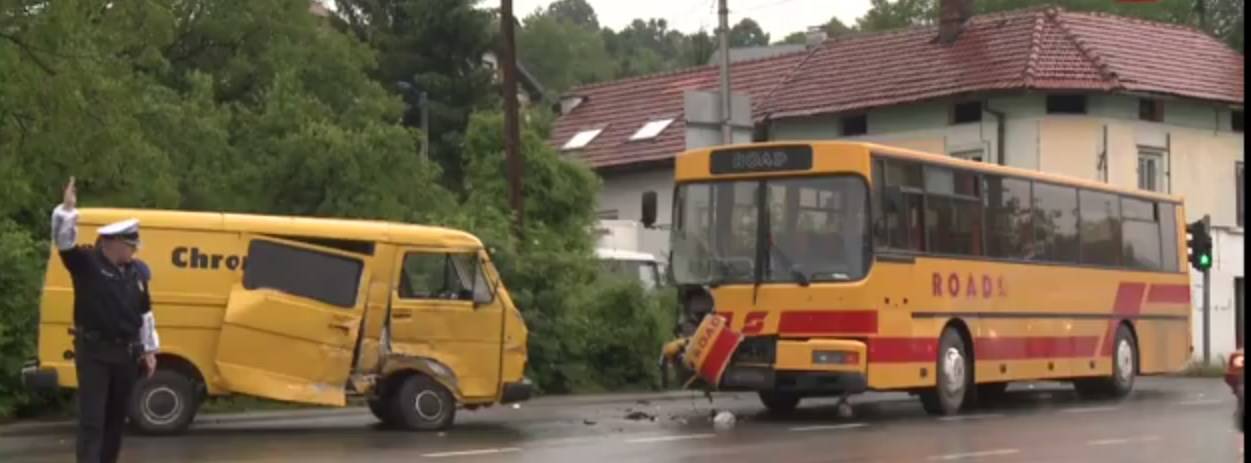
[(1199, 242)]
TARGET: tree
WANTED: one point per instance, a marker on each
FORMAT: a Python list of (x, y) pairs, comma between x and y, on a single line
[(436, 46), (563, 54), (747, 33), (833, 28), (887, 15), (576, 12)]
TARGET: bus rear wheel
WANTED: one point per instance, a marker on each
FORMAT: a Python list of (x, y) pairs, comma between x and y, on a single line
[(954, 377)]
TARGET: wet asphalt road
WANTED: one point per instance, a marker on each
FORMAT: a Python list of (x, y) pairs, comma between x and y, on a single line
[(1166, 420)]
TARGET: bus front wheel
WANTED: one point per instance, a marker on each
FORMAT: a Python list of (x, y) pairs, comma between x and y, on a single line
[(954, 376), (779, 402)]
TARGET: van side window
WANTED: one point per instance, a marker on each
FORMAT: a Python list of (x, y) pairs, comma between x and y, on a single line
[(444, 276), (323, 277)]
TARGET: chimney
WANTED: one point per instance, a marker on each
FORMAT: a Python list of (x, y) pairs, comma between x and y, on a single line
[(952, 15), (816, 36)]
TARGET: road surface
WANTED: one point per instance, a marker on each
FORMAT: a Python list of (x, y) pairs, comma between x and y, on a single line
[(1175, 420)]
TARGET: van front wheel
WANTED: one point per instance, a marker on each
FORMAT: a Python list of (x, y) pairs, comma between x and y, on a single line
[(422, 404), (164, 404)]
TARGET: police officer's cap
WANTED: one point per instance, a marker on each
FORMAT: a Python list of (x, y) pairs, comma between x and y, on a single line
[(126, 230)]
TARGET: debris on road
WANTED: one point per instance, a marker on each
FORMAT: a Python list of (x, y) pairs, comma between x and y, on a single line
[(723, 421), (633, 415)]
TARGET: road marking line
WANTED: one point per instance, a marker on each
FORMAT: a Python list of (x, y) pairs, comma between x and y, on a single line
[(1088, 410), (1107, 442), (1122, 440), (470, 453), (649, 440), (1192, 403), (828, 427), (970, 455), (971, 417)]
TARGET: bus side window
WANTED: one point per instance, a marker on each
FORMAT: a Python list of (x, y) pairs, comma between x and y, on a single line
[(901, 199)]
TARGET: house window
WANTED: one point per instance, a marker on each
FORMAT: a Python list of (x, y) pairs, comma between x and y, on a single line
[(1240, 190), (1150, 169), (1151, 110), (581, 139), (855, 125), (1066, 104), (1235, 121), (651, 129), (967, 112)]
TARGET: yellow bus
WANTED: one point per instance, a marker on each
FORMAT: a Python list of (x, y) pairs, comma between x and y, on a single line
[(414, 319), (842, 267)]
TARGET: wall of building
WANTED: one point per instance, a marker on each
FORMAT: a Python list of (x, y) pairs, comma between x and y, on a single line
[(622, 194)]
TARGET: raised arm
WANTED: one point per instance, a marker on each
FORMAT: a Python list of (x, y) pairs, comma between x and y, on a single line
[(65, 230)]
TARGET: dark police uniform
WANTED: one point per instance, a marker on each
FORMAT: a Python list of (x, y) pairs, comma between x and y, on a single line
[(113, 325)]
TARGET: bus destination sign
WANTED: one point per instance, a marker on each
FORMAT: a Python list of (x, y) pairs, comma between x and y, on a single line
[(760, 159)]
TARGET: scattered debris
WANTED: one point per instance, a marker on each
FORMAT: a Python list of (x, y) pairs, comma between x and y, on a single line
[(516, 406), (723, 421), (639, 416), (644, 402), (588, 422), (442, 434)]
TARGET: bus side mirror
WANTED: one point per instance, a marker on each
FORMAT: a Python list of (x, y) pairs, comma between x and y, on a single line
[(649, 209)]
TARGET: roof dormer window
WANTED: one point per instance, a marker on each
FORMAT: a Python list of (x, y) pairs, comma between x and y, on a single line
[(581, 139), (651, 129)]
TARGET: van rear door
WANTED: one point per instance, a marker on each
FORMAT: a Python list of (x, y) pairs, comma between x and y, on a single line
[(290, 329)]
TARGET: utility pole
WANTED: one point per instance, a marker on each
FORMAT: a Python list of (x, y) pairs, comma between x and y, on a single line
[(1201, 9), (512, 130), (727, 131)]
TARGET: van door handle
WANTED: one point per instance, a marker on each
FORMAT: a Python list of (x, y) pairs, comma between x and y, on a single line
[(402, 314), (345, 326)]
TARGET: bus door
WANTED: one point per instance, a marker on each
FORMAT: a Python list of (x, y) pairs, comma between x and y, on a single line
[(290, 330)]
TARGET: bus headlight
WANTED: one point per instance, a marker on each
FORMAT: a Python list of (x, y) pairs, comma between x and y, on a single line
[(834, 357)]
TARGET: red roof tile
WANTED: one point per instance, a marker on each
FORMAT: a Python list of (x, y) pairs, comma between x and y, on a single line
[(1034, 49), (623, 106)]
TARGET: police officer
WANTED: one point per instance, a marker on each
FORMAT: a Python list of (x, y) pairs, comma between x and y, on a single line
[(114, 331)]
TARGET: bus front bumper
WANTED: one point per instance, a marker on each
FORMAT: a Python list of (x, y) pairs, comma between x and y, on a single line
[(36, 378), (809, 367), (810, 383)]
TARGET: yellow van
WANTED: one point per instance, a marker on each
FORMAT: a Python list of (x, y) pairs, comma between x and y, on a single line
[(414, 319)]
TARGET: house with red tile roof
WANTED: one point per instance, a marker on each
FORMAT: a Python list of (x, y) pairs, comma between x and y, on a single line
[(1113, 99)]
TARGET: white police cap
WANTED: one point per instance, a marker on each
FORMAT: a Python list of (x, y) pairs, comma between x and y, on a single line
[(126, 230)]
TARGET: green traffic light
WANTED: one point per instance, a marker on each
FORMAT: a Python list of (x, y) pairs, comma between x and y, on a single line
[(1205, 260)]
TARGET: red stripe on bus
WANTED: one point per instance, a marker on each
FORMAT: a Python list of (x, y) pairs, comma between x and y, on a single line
[(831, 321), (1128, 302), (728, 316), (1169, 294), (902, 350), (1035, 347), (718, 355), (922, 350)]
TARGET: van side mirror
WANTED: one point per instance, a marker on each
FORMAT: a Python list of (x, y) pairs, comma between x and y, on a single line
[(649, 209)]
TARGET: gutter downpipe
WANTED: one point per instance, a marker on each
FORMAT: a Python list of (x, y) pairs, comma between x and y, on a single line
[(1000, 132)]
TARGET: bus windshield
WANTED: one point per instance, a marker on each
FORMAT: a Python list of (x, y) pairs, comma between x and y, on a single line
[(814, 229)]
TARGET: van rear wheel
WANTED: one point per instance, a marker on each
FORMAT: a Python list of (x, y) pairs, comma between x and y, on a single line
[(422, 404), (164, 404)]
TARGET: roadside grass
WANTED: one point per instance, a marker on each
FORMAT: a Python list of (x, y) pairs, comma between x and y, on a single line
[(1196, 369)]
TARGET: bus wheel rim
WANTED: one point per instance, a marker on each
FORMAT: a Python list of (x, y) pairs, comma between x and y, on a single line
[(953, 370), (1124, 361)]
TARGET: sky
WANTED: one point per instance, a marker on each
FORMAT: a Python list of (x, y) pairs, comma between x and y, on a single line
[(778, 18)]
